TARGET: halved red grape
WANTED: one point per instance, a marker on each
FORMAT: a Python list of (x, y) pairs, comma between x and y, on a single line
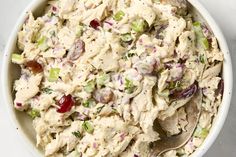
[(34, 66), (104, 95), (95, 23), (65, 103), (77, 49)]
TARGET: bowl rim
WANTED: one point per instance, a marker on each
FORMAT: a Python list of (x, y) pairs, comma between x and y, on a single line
[(223, 109), (218, 120)]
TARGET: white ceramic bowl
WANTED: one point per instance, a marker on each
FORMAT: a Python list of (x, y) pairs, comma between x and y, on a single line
[(22, 123)]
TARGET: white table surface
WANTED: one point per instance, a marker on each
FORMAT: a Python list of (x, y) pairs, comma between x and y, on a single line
[(224, 12)]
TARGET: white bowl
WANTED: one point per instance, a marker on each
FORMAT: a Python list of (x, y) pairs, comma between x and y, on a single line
[(22, 123)]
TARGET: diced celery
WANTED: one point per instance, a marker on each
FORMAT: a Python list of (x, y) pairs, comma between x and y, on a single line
[(87, 126), (180, 152), (197, 24), (33, 113), (129, 54), (54, 74), (139, 25), (201, 39), (201, 132), (171, 85), (17, 58), (114, 111), (129, 86), (42, 43), (164, 93), (204, 43), (79, 30), (89, 103), (156, 1), (103, 79), (35, 37), (174, 85), (119, 16), (198, 30), (90, 86), (126, 37)]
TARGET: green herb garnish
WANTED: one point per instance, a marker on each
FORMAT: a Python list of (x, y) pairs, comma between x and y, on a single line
[(202, 58), (77, 134), (47, 90), (99, 109), (88, 103), (129, 55)]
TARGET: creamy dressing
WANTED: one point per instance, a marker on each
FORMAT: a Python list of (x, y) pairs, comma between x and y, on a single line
[(96, 74)]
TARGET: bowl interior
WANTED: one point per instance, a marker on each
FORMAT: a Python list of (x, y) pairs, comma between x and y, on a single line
[(24, 123)]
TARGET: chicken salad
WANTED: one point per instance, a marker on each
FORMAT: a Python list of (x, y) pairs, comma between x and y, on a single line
[(95, 75)]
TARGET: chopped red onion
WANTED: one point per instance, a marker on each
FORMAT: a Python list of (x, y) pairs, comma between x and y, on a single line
[(220, 89), (86, 111), (109, 23), (169, 65), (206, 31), (204, 91), (119, 78), (186, 93), (82, 117), (122, 136), (95, 145), (161, 29)]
